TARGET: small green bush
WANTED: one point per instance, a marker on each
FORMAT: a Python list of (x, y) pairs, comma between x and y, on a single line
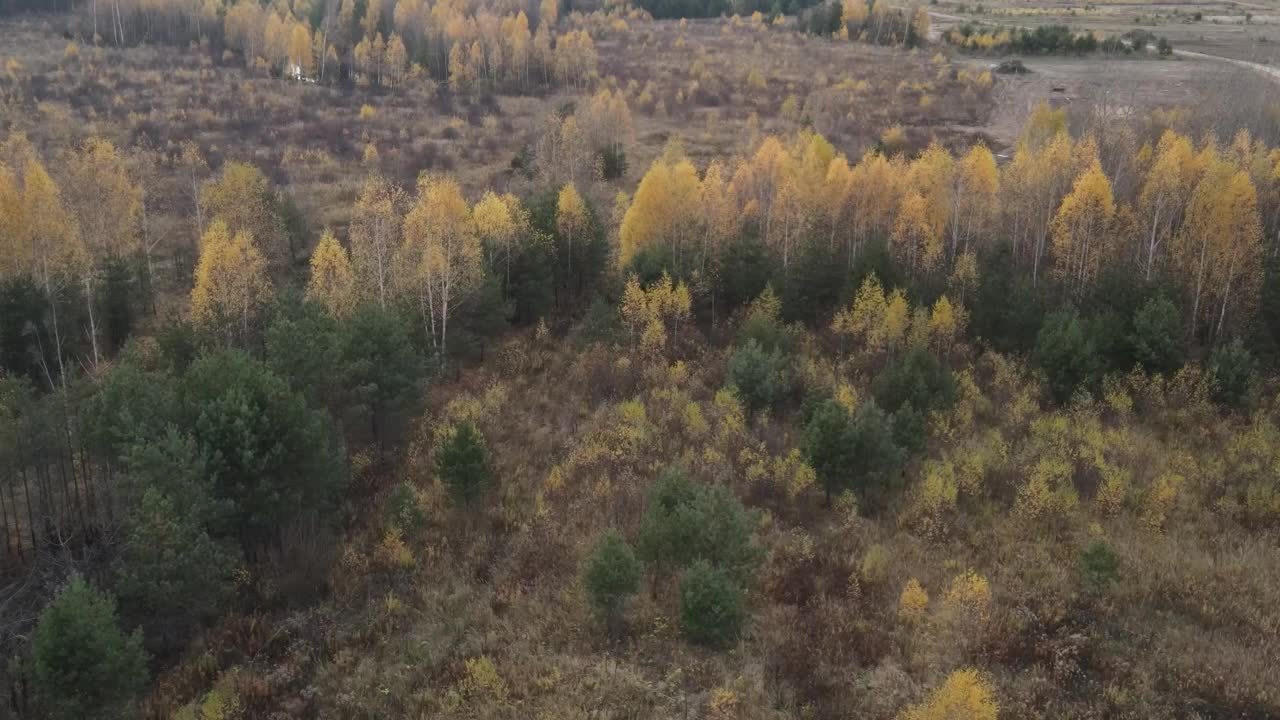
[(686, 522), (711, 606), (611, 575), (761, 377), (463, 463), (402, 509), (1233, 370), (1100, 565)]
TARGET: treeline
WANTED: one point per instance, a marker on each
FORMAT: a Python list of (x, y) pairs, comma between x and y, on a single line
[(1054, 227), (1051, 39), (665, 9), (871, 21), (379, 42)]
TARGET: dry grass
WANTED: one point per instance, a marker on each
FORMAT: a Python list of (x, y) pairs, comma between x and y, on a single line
[(488, 620)]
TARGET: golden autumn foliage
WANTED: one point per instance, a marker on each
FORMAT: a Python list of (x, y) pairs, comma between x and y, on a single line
[(242, 197), (663, 211), (966, 695), (571, 218), (913, 603), (647, 313), (231, 284), (975, 207), (102, 199), (501, 221), (105, 207), (917, 240), (439, 261), (1218, 248), (41, 239), (375, 236), (332, 282), (1081, 230)]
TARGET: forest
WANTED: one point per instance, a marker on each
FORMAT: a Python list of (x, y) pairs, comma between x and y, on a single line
[(913, 429)]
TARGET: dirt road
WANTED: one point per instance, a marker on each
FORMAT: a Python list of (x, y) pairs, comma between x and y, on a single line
[(1267, 70)]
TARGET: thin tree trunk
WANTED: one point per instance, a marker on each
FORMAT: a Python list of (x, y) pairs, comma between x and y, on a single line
[(93, 322)]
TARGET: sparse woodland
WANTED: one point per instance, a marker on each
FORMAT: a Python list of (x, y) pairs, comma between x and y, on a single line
[(833, 422)]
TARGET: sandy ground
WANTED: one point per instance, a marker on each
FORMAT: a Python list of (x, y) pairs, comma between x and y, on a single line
[(1223, 30), (1123, 87)]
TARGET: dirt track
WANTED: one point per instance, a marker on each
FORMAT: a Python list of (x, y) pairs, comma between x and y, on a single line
[(1272, 72)]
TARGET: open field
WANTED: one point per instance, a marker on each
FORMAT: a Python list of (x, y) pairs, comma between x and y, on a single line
[(1236, 30)]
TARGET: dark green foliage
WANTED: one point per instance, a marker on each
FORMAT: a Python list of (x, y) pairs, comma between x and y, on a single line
[(684, 522), (1137, 39), (873, 258), (600, 324), (1047, 39), (132, 403), (649, 264), (910, 428), (1233, 371), (577, 269), (828, 446), (916, 379), (170, 572), (711, 606), (877, 455), (1154, 340), (823, 19), (84, 665), (380, 371), (270, 455), (462, 461), (745, 267), (22, 307), (815, 284), (1008, 309), (401, 509), (481, 319), (170, 463), (852, 452), (761, 377), (117, 300), (613, 161), (1110, 332), (524, 162), (294, 223), (685, 8), (1067, 353), (179, 345), (1265, 338), (531, 287), (1099, 565), (611, 575), (302, 347)]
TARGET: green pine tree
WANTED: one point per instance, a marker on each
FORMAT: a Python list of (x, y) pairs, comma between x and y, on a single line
[(84, 665), (463, 463), (611, 575)]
